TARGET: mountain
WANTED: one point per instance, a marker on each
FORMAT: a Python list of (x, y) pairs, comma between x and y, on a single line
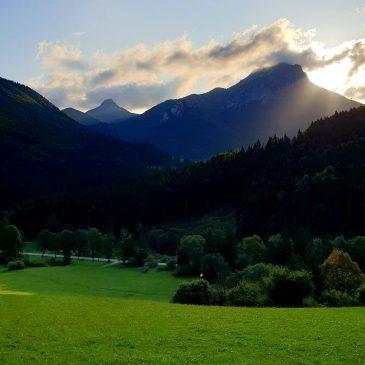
[(44, 151), (109, 112), (278, 100), (80, 117)]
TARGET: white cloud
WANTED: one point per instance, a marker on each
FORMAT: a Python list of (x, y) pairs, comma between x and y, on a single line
[(141, 76)]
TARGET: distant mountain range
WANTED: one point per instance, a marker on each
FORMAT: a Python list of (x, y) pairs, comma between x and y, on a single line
[(278, 100), (44, 151), (107, 112), (80, 117)]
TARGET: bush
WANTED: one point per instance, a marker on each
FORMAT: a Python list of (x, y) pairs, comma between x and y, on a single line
[(196, 292), (152, 264), (289, 288), (16, 265), (361, 294), (185, 270), (170, 265), (29, 263), (310, 302), (246, 294), (55, 262), (133, 262), (258, 273), (335, 298)]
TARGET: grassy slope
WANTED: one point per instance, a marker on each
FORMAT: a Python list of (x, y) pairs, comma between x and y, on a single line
[(62, 323)]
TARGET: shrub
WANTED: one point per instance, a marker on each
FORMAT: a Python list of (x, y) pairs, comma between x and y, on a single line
[(196, 292), (133, 262), (29, 263), (185, 270), (336, 298), (55, 262), (16, 265), (310, 302), (289, 288), (152, 264), (170, 265), (246, 294)]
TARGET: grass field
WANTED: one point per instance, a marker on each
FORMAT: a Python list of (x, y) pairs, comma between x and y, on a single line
[(90, 313)]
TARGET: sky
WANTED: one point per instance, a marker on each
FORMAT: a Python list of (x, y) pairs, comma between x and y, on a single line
[(78, 53)]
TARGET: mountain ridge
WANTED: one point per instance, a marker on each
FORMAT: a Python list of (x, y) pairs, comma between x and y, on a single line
[(109, 112), (276, 100)]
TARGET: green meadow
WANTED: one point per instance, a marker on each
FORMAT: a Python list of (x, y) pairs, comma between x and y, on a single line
[(93, 313)]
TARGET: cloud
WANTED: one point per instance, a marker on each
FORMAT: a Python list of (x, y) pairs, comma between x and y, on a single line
[(55, 55), (356, 93), (79, 34), (142, 75)]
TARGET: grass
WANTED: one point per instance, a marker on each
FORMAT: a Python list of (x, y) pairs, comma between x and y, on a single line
[(93, 279), (92, 314)]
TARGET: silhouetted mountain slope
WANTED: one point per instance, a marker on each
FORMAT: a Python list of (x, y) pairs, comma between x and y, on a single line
[(80, 117), (278, 100), (109, 112), (42, 150)]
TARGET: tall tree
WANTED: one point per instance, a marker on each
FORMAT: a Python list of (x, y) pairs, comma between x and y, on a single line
[(10, 242), (341, 273)]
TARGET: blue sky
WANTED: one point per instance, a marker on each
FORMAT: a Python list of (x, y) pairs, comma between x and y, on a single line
[(81, 29)]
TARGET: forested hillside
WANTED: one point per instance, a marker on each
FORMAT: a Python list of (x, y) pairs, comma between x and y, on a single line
[(315, 180), (43, 151)]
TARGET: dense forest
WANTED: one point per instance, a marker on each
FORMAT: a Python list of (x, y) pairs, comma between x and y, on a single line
[(314, 181)]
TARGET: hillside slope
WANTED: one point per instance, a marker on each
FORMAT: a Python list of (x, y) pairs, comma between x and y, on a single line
[(42, 150)]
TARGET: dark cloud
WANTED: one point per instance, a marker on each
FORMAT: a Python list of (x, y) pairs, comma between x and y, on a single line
[(103, 77), (357, 56), (74, 65)]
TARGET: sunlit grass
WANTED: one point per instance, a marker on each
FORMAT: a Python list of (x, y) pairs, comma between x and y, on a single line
[(92, 314)]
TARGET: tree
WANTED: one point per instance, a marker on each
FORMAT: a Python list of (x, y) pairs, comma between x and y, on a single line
[(289, 288), (67, 242), (190, 251), (81, 242), (10, 242), (44, 240), (95, 241), (127, 247), (250, 251), (357, 250), (279, 250), (341, 273), (214, 268), (108, 245)]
